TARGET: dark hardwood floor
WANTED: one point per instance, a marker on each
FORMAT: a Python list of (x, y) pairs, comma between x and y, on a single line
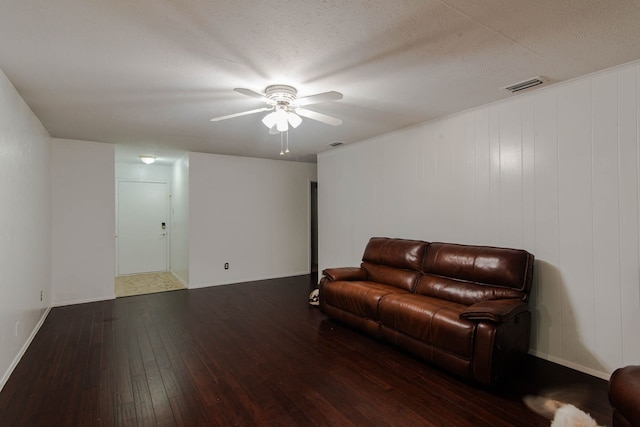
[(252, 354)]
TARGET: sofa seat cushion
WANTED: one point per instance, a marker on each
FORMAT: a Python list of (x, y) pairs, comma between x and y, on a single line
[(358, 297), (434, 321)]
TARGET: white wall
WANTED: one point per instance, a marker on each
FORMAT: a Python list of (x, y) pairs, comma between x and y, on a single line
[(252, 213), (554, 171), (180, 219), (143, 173), (83, 214), (25, 226)]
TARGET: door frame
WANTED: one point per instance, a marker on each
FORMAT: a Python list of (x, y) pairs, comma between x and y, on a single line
[(167, 215), (312, 243)]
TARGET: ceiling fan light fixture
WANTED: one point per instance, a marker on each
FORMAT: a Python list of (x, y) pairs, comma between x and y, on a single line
[(282, 126), (294, 120), (147, 160), (282, 120), (270, 120)]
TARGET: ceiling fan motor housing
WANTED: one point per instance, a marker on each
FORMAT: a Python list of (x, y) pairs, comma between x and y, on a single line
[(281, 94)]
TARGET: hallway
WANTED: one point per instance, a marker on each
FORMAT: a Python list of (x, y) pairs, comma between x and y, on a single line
[(146, 283)]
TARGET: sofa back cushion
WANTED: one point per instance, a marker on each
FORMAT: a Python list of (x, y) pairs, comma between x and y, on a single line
[(398, 253), (403, 279), (394, 262), (469, 274)]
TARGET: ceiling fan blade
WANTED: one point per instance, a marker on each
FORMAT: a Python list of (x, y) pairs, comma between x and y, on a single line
[(314, 115), (318, 98), (252, 94), (244, 113)]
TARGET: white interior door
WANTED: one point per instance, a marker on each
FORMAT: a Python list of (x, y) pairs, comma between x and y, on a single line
[(142, 239)]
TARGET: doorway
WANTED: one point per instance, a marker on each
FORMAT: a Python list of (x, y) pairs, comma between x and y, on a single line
[(142, 229), (314, 228)]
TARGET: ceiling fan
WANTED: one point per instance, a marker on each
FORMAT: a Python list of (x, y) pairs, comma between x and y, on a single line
[(286, 108)]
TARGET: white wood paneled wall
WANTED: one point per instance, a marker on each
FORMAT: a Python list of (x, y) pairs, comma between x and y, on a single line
[(554, 171)]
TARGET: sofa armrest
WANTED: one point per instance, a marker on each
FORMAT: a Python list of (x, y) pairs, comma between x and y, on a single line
[(624, 395), (497, 311), (345, 273)]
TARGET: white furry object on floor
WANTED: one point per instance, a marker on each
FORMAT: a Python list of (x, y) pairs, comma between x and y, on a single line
[(561, 414), (570, 416), (314, 298)]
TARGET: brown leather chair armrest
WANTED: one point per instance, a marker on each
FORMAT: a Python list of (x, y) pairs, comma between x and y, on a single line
[(345, 273), (624, 395), (497, 311)]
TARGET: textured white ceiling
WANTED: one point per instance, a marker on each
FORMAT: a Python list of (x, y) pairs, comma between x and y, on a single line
[(148, 74)]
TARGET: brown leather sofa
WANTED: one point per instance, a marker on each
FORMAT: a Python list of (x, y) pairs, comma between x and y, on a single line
[(461, 307), (624, 395)]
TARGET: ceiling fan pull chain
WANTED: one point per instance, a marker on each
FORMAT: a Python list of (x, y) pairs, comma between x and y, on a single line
[(287, 136), (281, 152)]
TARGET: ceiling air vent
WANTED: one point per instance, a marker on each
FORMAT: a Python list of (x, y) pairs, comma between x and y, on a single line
[(336, 144), (517, 87)]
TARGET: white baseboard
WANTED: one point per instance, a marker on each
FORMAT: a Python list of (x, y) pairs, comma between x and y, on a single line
[(180, 279), (23, 350), (568, 364), (247, 279)]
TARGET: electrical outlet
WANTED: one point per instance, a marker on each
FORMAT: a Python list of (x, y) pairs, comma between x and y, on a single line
[(17, 328), (226, 265), (40, 295)]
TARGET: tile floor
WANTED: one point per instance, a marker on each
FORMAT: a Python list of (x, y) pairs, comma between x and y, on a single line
[(146, 283)]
